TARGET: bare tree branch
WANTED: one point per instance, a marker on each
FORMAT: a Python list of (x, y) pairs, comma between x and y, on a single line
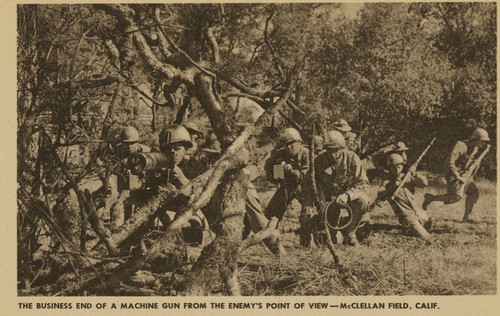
[(277, 62), (213, 45)]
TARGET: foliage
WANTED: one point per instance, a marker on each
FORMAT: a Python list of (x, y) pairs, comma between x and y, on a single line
[(394, 71)]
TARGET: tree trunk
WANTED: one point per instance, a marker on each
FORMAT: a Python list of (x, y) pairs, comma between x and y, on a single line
[(218, 261)]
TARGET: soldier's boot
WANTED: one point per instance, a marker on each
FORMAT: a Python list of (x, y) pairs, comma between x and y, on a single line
[(428, 225), (468, 210), (421, 232), (273, 243), (352, 240), (307, 224), (428, 199)]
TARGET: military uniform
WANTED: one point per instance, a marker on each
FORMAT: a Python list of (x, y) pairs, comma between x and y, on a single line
[(456, 189), (290, 187), (455, 166), (409, 214), (344, 175)]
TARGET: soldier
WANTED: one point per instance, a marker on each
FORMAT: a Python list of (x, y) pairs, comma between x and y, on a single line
[(341, 178), (342, 126), (410, 216), (129, 143), (287, 167), (400, 149), (379, 159), (122, 183), (462, 155), (175, 141), (196, 137)]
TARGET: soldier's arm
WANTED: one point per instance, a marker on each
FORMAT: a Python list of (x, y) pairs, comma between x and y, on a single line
[(361, 184), (383, 192), (304, 163), (299, 174)]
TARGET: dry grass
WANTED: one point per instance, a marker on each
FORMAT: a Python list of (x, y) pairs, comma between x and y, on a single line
[(461, 261)]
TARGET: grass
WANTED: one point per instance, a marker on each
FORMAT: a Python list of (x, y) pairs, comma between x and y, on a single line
[(462, 260)]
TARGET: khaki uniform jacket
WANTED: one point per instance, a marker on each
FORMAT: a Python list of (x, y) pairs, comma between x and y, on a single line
[(404, 203), (300, 165), (342, 175), (456, 160)]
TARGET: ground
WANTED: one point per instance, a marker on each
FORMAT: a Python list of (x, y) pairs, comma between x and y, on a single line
[(462, 260)]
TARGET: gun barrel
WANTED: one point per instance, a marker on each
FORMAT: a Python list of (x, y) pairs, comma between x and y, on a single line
[(140, 162), (407, 175)]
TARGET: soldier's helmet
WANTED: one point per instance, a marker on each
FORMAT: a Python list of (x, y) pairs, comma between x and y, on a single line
[(129, 135), (174, 134), (334, 140), (290, 135), (341, 126), (350, 136), (318, 142), (394, 159), (193, 128), (400, 146), (479, 134)]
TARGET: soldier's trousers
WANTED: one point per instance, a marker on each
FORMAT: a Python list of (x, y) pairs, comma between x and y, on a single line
[(359, 208), (360, 215), (416, 223), (457, 190), (254, 215), (279, 202)]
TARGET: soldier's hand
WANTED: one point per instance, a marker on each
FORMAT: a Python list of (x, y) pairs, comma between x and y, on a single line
[(342, 199), (412, 170), (179, 175), (288, 168), (462, 179)]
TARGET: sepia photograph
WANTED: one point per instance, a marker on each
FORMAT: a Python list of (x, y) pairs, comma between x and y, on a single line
[(256, 149)]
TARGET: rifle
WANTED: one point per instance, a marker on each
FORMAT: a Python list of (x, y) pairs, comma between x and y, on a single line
[(415, 164), (473, 166)]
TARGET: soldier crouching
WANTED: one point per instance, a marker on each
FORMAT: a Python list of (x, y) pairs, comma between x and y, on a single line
[(287, 167), (413, 219), (340, 178), (174, 143)]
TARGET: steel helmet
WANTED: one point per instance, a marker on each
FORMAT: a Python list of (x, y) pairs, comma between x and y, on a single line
[(395, 159), (342, 126), (193, 128), (334, 139), (350, 135), (479, 134), (172, 134), (290, 135), (400, 146), (129, 135)]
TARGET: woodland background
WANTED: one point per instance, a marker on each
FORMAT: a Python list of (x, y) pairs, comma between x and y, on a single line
[(395, 72)]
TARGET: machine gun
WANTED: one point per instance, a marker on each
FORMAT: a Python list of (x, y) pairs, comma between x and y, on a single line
[(472, 167), (155, 166), (414, 165)]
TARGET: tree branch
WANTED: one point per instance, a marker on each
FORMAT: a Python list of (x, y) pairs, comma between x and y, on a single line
[(277, 63)]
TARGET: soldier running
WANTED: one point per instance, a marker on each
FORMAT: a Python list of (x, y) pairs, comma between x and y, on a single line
[(458, 161), (410, 216)]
